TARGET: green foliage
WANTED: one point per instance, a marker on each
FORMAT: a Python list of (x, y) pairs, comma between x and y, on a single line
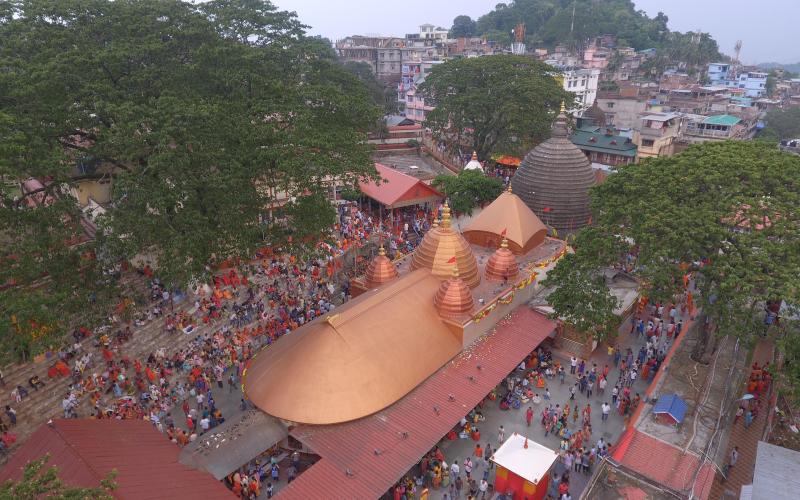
[(384, 96), (200, 113), (463, 26), (783, 123), (39, 483), (582, 299), (709, 202), (493, 103), (468, 189), (551, 22)]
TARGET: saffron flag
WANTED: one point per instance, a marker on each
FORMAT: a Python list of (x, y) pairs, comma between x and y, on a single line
[(503, 232), (452, 260), (547, 210)]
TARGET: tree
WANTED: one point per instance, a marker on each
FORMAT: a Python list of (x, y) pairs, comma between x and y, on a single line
[(783, 123), (384, 96), (501, 102), (198, 113), (463, 26), (725, 211), (39, 483), (468, 189)]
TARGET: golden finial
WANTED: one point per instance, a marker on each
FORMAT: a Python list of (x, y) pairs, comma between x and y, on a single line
[(446, 215), (504, 243), (474, 155), (382, 251), (435, 223), (455, 270), (509, 188), (563, 108)]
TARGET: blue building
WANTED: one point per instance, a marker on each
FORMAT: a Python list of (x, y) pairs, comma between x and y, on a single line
[(750, 83)]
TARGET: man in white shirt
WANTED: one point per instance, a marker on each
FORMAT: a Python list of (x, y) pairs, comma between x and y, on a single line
[(573, 363), (454, 470), (606, 410)]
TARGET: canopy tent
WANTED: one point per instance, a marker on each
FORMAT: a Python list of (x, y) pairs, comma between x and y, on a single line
[(507, 160), (672, 407), (397, 189), (224, 449), (523, 468)]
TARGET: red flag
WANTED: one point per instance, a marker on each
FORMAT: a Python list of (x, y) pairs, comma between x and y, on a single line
[(547, 210), (452, 260), (503, 232)]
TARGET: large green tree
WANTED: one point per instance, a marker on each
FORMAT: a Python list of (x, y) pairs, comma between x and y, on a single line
[(726, 210), (497, 103), (38, 482), (468, 189), (783, 123), (200, 113), (463, 26)]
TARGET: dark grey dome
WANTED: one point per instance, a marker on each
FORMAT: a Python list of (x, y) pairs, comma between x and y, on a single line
[(554, 180)]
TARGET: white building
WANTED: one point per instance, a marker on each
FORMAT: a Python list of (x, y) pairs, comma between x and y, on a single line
[(583, 83), (431, 32)]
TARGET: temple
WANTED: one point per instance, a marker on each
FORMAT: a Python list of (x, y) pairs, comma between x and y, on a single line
[(554, 180), (415, 327)]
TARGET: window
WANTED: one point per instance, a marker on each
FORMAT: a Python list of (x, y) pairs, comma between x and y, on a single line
[(648, 143), (583, 83), (610, 105)]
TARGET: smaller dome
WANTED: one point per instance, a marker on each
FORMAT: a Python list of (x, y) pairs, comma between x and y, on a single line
[(474, 164), (380, 270), (502, 265), (454, 297)]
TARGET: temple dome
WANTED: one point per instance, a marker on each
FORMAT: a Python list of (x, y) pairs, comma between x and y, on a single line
[(474, 164), (440, 245), (554, 180), (380, 270), (454, 298), (502, 265)]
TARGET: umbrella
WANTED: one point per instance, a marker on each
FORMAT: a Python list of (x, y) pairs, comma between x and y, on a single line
[(747, 396)]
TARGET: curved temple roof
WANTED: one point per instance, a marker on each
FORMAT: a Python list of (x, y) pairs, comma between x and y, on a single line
[(370, 353)]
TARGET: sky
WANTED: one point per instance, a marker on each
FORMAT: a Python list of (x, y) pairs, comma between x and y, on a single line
[(764, 26)]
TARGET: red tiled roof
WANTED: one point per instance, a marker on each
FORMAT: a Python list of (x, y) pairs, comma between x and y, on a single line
[(664, 463), (352, 445), (85, 451), (397, 189)]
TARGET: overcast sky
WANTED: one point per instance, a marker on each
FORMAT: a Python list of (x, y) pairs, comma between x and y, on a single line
[(767, 28)]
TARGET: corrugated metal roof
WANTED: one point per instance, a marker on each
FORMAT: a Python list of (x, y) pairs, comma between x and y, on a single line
[(777, 472), (728, 120), (398, 189), (364, 458), (85, 451)]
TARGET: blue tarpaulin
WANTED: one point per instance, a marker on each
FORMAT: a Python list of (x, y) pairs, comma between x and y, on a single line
[(672, 405)]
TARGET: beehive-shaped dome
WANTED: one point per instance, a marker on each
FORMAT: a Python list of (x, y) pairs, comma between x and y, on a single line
[(554, 181), (439, 246), (380, 270), (454, 297), (502, 265)]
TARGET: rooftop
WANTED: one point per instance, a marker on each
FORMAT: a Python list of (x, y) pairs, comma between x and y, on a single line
[(777, 472), (596, 139), (725, 120), (524, 457)]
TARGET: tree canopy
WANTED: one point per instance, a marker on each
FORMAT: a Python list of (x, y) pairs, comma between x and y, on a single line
[(783, 123), (723, 210), (550, 22), (200, 114), (499, 103), (463, 26), (38, 482), (468, 189)]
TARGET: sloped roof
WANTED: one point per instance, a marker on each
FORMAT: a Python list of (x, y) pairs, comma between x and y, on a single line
[(398, 189), (405, 431), (363, 357), (725, 120), (777, 472), (530, 463), (85, 451), (672, 405), (595, 139), (508, 212)]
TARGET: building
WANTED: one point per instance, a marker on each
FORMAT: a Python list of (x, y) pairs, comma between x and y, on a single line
[(656, 135), (431, 32), (396, 135), (622, 110), (718, 73), (383, 54), (752, 83), (523, 468), (604, 146), (717, 128), (412, 102), (554, 180), (377, 377), (776, 475), (583, 83)]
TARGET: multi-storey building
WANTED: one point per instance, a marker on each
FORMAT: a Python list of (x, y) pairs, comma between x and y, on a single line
[(750, 83), (622, 109), (583, 83), (657, 134), (383, 54)]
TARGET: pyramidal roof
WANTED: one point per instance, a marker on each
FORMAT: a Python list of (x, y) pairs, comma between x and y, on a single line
[(554, 180), (509, 212)]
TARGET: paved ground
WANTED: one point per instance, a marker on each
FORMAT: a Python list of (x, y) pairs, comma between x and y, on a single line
[(514, 420), (745, 438)]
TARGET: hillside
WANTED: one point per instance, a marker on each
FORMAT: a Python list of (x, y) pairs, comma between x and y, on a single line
[(793, 68), (550, 22)]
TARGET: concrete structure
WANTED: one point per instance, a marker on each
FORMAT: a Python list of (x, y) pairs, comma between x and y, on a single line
[(751, 83), (717, 128), (776, 476), (583, 83), (431, 32), (656, 135), (622, 111), (382, 53)]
